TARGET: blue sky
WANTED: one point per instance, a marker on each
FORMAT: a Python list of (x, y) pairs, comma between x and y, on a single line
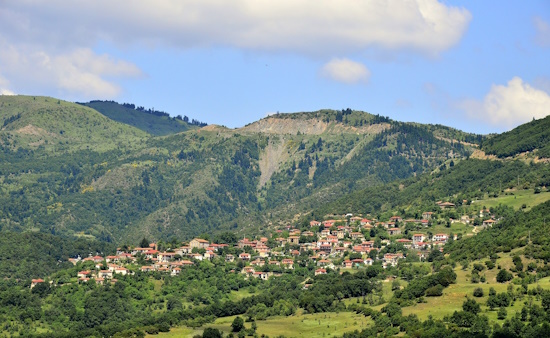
[(480, 66)]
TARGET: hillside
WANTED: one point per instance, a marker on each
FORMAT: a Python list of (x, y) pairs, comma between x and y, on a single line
[(530, 137), (46, 124), (153, 122), (214, 179)]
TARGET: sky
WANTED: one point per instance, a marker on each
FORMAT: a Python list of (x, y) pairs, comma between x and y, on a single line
[(479, 66)]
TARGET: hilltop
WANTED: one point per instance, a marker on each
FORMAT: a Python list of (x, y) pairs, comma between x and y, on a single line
[(54, 126)]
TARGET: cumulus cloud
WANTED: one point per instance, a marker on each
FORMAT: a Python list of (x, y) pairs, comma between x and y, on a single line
[(79, 72), (509, 105), (346, 71), (543, 32), (49, 33), (302, 26)]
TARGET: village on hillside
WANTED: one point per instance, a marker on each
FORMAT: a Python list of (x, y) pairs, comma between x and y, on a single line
[(344, 242)]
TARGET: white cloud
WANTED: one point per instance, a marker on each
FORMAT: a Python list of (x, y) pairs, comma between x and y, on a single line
[(543, 32), (48, 43), (510, 105), (80, 73), (315, 27), (346, 71), (4, 84)]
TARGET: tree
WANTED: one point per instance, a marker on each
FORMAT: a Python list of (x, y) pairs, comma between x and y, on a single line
[(478, 292), (504, 276), (501, 314), (237, 325), (210, 332), (470, 305), (144, 243)]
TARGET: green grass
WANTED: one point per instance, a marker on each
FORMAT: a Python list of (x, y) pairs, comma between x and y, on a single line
[(519, 198), (456, 294), (303, 325)]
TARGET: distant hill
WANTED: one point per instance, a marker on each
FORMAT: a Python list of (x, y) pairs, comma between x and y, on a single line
[(151, 121), (52, 125), (531, 136)]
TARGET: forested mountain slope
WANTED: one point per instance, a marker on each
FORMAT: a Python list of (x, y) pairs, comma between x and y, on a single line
[(529, 137), (118, 183), (149, 120)]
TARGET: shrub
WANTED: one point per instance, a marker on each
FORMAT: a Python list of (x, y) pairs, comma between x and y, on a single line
[(435, 291), (504, 276), (478, 292)]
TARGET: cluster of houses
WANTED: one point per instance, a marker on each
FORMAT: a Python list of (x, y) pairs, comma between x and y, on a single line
[(325, 245)]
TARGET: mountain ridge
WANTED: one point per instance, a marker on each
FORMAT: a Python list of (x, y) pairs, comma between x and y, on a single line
[(211, 179)]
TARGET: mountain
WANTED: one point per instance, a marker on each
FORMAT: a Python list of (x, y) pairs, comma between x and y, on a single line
[(151, 121), (530, 137), (118, 183)]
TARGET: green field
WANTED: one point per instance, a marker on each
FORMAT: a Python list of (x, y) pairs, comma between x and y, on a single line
[(517, 200), (328, 324)]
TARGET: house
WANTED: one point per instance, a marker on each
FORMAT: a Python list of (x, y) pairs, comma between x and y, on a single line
[(183, 250), (105, 274), (244, 256), (262, 275), (356, 235), (121, 270), (406, 242), (287, 263), (293, 240), (229, 258), (446, 205), (150, 254), (440, 238), (320, 272), (83, 274), (147, 268), (418, 238), (281, 241), (394, 231), (175, 271), (366, 221), (209, 255), (35, 282), (347, 263), (314, 224), (198, 243), (166, 256), (488, 223), (369, 261), (465, 219)]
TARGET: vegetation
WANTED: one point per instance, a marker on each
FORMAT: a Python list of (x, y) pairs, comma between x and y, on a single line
[(528, 137), (154, 122)]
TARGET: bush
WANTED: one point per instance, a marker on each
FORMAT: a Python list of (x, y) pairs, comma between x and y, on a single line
[(504, 276), (478, 292), (435, 291), (501, 314)]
